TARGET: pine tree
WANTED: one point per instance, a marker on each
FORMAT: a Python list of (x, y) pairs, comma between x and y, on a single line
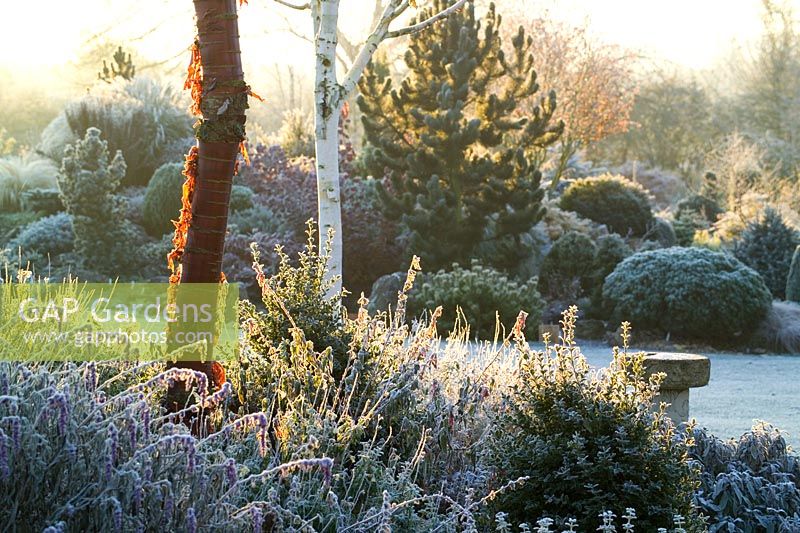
[(462, 162)]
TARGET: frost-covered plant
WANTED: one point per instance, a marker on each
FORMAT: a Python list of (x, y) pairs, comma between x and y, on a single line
[(296, 296), (403, 420), (766, 246), (20, 173), (752, 484), (479, 296), (691, 292), (620, 204), (557, 222), (253, 220), (44, 240), (587, 441), (611, 251), (86, 447), (88, 182)]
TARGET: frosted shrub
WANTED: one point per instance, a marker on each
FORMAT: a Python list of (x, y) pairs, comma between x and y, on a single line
[(690, 292), (587, 441), (402, 414)]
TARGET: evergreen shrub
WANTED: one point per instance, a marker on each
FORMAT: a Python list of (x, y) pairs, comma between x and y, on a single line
[(620, 204), (691, 292)]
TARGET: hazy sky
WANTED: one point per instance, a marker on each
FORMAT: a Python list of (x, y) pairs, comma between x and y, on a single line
[(44, 33)]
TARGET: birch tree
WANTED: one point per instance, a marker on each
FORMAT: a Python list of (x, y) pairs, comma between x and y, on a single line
[(330, 92)]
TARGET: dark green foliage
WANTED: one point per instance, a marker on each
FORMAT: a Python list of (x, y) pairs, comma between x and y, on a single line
[(749, 485), (88, 181), (588, 442), (241, 198), (567, 266), (162, 199), (766, 246), (479, 292), (300, 291), (620, 204), (662, 232), (611, 251), (42, 241), (702, 205), (691, 292), (455, 176), (43, 201), (793, 279)]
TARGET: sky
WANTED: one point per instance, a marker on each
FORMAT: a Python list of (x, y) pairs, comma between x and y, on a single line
[(41, 34)]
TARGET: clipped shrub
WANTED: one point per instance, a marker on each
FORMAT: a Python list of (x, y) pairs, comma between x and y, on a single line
[(611, 251), (661, 231), (752, 484), (142, 118), (793, 279), (255, 219), (766, 246), (162, 199), (23, 173), (699, 204), (588, 442), (480, 293), (691, 292), (620, 204), (241, 198), (44, 240), (567, 265)]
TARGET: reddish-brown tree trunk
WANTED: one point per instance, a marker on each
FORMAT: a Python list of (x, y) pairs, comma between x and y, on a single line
[(220, 96)]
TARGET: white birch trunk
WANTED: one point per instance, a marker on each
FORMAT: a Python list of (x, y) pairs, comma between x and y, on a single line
[(327, 106)]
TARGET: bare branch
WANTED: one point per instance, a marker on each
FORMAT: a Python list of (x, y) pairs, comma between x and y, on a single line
[(299, 7), (390, 12), (416, 28)]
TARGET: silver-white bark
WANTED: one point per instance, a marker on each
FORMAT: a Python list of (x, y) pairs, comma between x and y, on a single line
[(328, 97)]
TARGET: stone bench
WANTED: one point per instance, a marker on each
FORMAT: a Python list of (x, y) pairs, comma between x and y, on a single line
[(683, 372)]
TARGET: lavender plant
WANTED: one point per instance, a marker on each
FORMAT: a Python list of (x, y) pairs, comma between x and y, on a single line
[(74, 457)]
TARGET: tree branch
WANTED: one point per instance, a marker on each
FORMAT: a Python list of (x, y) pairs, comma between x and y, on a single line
[(416, 28), (390, 12), (299, 7)]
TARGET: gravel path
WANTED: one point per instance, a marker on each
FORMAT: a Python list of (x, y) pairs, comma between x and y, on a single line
[(742, 388)]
